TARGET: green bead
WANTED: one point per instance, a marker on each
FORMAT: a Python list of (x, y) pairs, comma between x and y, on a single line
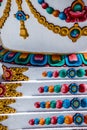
[(57, 88), (77, 7), (47, 121), (80, 72), (62, 73), (53, 104), (49, 10)]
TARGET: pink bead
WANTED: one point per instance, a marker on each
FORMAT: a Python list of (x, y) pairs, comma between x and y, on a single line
[(59, 104), (31, 122), (44, 5), (64, 88), (41, 90), (55, 74), (54, 120), (37, 105)]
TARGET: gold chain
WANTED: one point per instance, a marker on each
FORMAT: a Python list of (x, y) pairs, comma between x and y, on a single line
[(63, 31), (5, 13)]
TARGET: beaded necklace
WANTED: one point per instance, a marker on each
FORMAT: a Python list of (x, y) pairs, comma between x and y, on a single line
[(5, 13), (74, 33), (77, 12)]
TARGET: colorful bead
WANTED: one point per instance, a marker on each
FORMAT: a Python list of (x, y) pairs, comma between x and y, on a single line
[(49, 10), (49, 74), (82, 88), (54, 120), (73, 88), (44, 5), (71, 73), (68, 119), (37, 105), (53, 104), (56, 13), (40, 1), (59, 104), (75, 103), (51, 89), (60, 119), (48, 121), (41, 89), (55, 74), (78, 119), (64, 88), (62, 16), (36, 121), (44, 74), (84, 102), (85, 119), (47, 104), (42, 121), (31, 122), (57, 88), (66, 103), (42, 104), (45, 88), (80, 72), (62, 73)]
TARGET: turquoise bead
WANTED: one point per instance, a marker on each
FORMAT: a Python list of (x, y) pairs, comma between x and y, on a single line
[(80, 72), (77, 7), (62, 73), (53, 104), (57, 88), (49, 10)]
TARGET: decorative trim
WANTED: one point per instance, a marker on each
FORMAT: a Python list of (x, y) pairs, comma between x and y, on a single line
[(55, 60), (77, 119), (4, 108), (14, 73), (74, 33), (9, 90), (5, 13), (74, 103)]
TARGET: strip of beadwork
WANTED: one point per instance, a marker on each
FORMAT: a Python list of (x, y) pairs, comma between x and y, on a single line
[(43, 88), (47, 120)]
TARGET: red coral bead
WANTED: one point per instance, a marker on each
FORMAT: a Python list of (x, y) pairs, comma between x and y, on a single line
[(37, 105), (44, 5), (55, 74), (82, 88), (64, 88), (59, 104), (31, 122), (41, 89), (54, 120)]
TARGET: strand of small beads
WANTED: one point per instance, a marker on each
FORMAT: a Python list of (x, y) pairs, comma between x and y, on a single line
[(1, 2), (51, 10)]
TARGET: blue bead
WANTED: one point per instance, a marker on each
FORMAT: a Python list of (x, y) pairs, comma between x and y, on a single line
[(46, 89), (40, 1), (75, 103), (71, 73), (73, 88), (66, 103), (36, 121), (62, 16), (60, 119), (42, 104), (78, 119), (84, 102), (49, 74)]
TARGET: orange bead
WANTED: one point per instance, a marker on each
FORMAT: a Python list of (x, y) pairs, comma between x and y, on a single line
[(44, 74), (85, 119), (51, 89), (56, 13), (47, 104), (42, 121), (68, 119)]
